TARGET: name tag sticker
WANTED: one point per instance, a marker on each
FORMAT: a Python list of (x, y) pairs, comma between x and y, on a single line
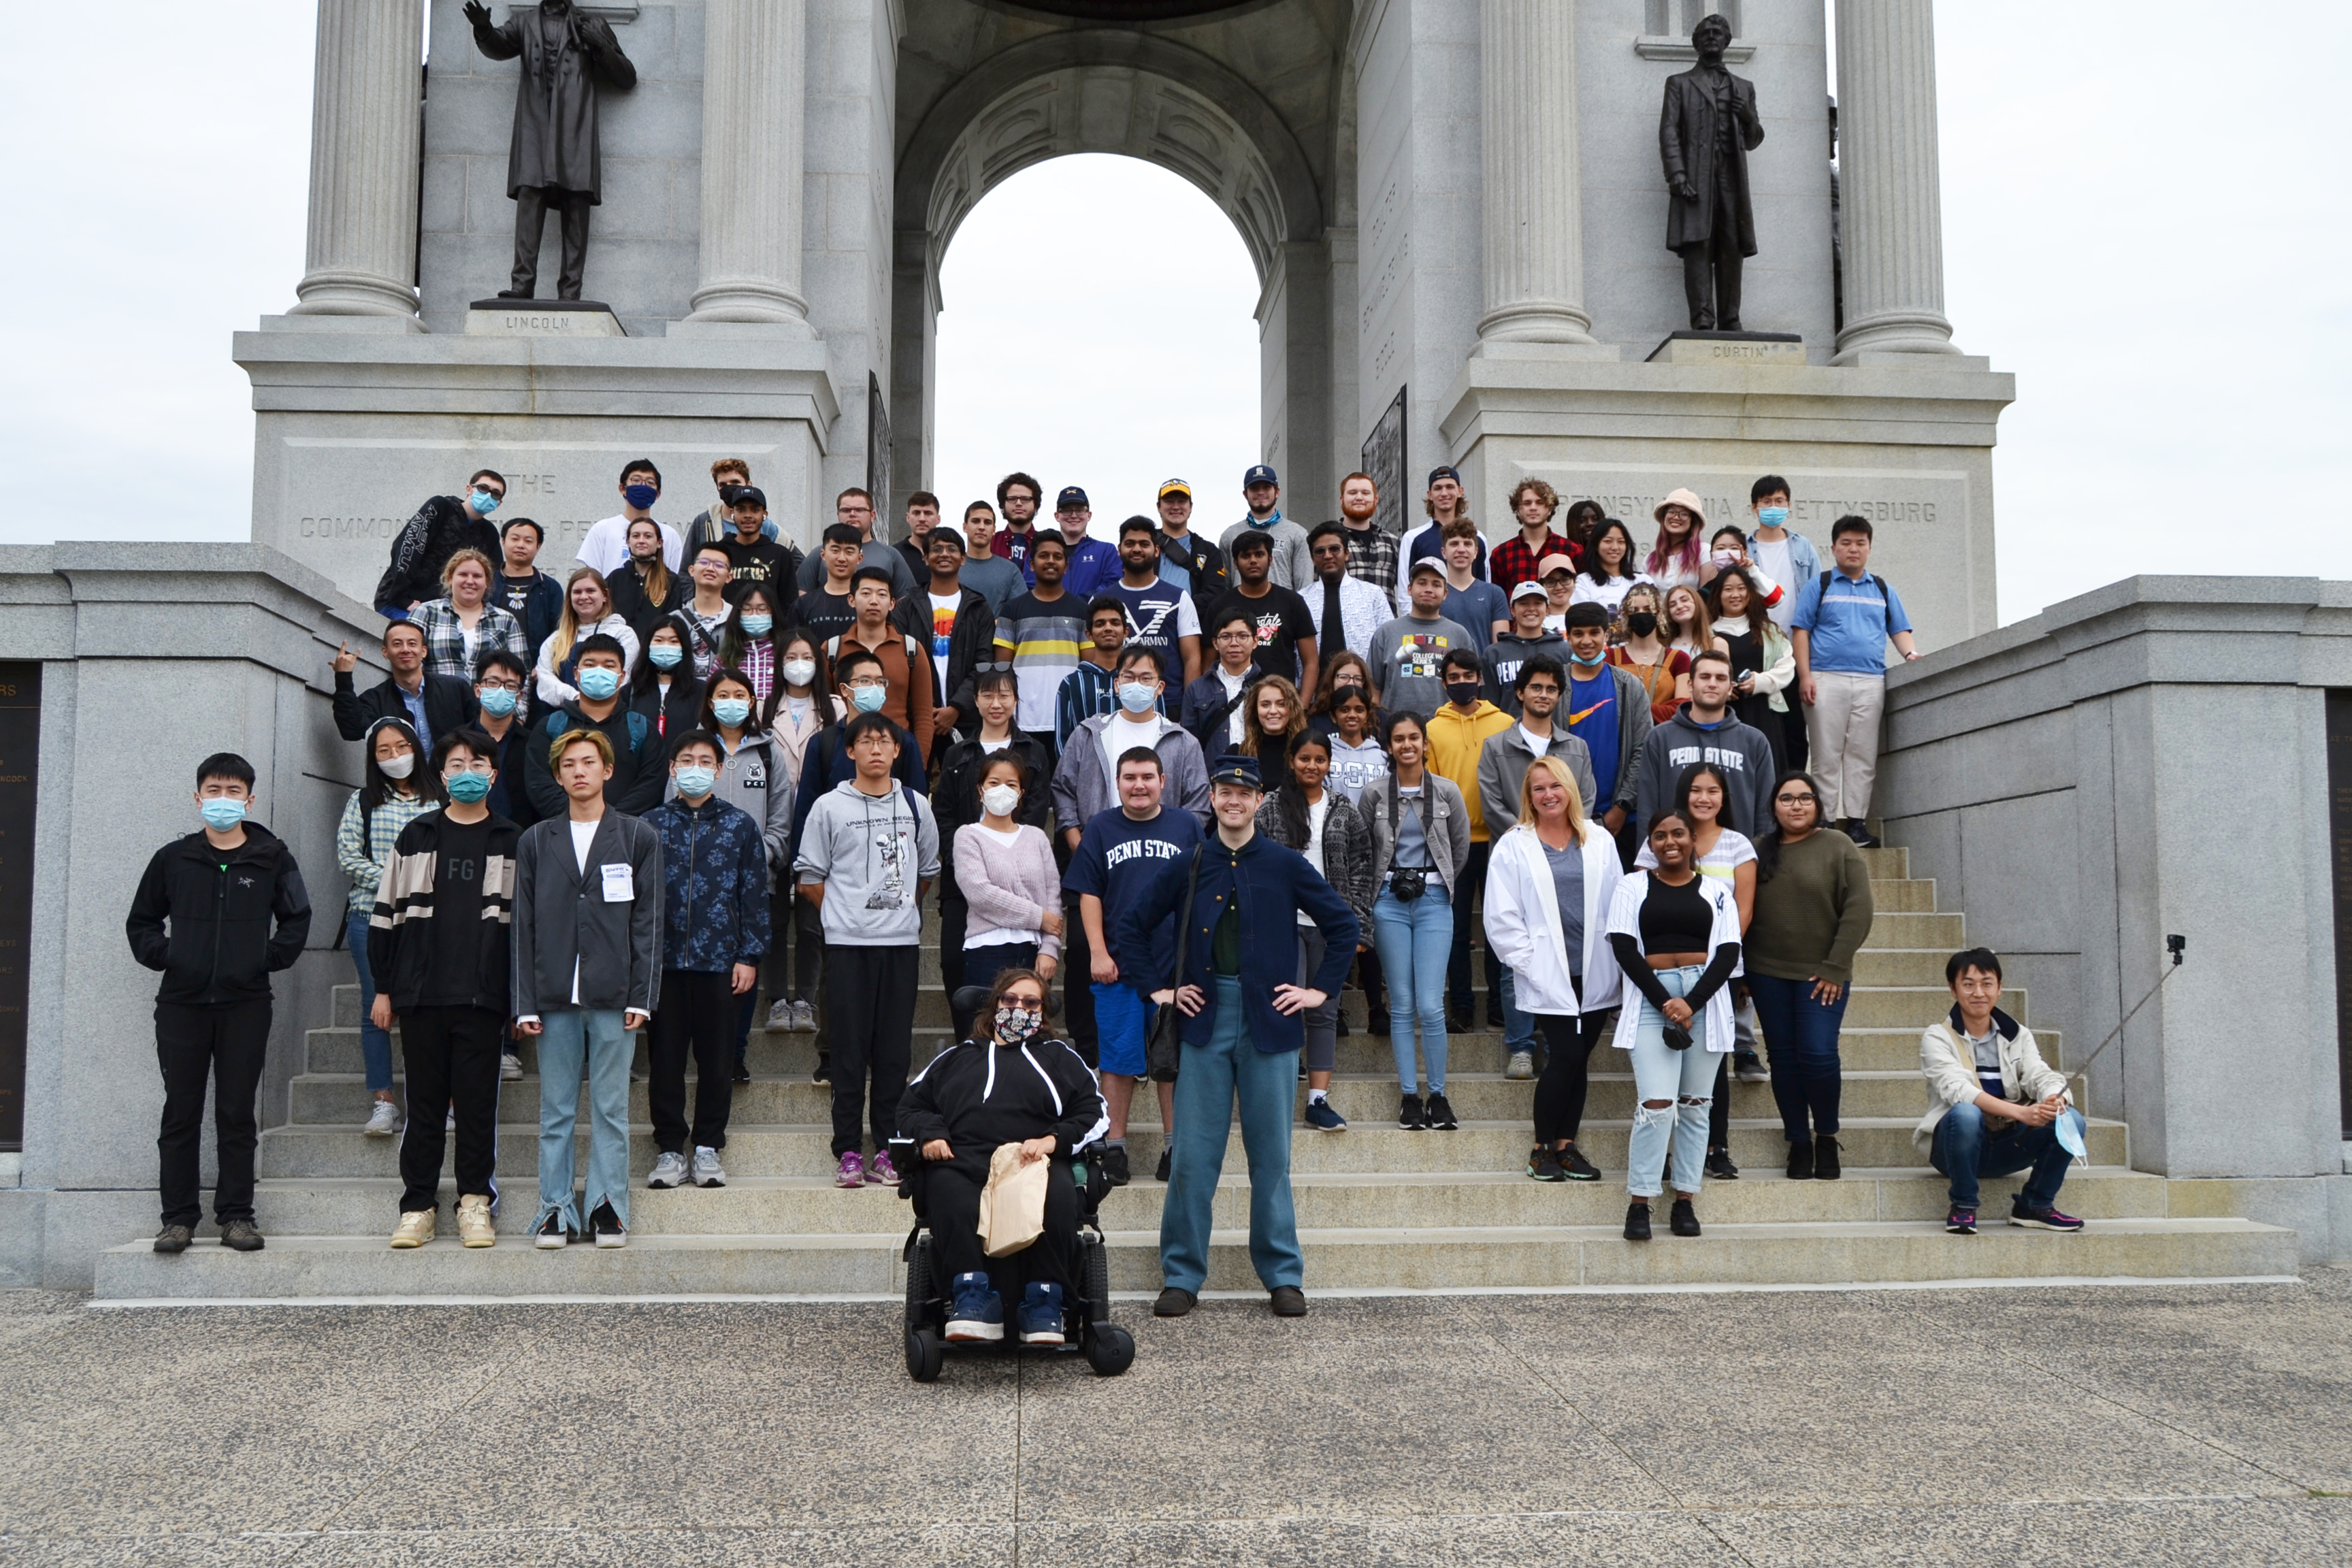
[(620, 884)]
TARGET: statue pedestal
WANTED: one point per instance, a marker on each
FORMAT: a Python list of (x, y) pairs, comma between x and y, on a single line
[(352, 431), (1695, 347), (1908, 447), (542, 319)]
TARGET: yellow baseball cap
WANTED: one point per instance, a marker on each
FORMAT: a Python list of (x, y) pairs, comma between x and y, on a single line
[(1174, 487)]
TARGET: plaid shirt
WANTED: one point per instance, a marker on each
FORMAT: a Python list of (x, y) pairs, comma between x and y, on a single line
[(363, 842), (444, 638), (1373, 557), (1512, 563)]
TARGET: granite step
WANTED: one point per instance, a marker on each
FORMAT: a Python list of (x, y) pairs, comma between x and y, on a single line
[(1341, 1259)]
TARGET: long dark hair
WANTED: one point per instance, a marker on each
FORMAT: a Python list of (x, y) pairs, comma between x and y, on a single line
[(1767, 843), (709, 720), (1580, 520), (646, 674), (820, 688), (422, 778), (1691, 775), (731, 645), (1593, 569), (1290, 796), (1712, 597)]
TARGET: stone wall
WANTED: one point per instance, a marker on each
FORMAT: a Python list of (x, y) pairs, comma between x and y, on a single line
[(153, 656), (2145, 760)]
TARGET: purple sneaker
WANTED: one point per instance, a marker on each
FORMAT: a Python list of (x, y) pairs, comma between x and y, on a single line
[(852, 1173), (2042, 1218), (879, 1172), (1960, 1221)]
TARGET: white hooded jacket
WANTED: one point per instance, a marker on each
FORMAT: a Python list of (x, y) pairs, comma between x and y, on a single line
[(1625, 919), (1523, 922)]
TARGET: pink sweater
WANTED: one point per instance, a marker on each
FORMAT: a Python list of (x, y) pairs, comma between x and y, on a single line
[(1010, 883)]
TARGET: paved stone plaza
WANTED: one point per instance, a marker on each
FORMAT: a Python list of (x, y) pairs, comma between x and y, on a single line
[(2062, 1426)]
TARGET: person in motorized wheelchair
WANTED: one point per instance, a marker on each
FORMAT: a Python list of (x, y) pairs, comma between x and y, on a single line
[(1012, 1083)]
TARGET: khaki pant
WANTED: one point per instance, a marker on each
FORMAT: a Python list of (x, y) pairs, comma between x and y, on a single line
[(1842, 728)]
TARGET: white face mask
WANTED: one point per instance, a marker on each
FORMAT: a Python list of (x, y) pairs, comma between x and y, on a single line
[(799, 672), (399, 767), (999, 800)]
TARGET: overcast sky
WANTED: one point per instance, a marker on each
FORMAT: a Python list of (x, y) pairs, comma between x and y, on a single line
[(2141, 220)]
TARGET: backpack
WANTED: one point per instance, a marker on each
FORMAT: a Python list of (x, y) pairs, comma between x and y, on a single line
[(1885, 594), (640, 727)]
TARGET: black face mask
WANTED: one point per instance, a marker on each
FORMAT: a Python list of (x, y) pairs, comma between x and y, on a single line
[(728, 492), (1466, 692), (1641, 623)]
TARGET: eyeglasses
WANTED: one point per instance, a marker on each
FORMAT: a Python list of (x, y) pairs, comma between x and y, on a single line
[(1794, 799)]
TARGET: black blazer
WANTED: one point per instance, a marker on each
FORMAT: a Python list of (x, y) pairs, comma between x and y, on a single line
[(448, 702)]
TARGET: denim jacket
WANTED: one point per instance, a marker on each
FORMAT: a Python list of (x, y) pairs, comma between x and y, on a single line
[(714, 885)]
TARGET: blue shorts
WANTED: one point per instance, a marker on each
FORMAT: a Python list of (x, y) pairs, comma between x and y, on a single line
[(1120, 1017)]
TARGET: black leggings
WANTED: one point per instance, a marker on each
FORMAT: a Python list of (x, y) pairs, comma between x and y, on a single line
[(1559, 1093), (952, 1208)]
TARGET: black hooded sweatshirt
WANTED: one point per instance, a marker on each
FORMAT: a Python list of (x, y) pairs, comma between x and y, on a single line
[(219, 948), (978, 1096)]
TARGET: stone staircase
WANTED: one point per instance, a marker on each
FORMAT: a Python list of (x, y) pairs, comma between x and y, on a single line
[(1378, 1208)]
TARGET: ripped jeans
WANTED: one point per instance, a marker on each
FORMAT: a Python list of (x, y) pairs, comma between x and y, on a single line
[(1684, 1080)]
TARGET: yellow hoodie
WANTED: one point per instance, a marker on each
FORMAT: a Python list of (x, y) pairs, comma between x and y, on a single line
[(1455, 740)]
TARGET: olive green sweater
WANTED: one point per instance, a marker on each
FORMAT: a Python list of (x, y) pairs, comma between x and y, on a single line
[(1813, 913)]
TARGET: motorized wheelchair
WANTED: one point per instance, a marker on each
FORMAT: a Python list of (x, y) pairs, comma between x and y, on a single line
[(1087, 1326)]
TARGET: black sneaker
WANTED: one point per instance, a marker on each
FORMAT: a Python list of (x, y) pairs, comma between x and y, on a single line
[(1495, 1017), (1578, 1168), (1960, 1221), (743, 1071), (1684, 1220), (240, 1236), (607, 1227), (1114, 1167), (1161, 1173), (1440, 1114), (2022, 1214), (1411, 1116), (1637, 1222), (1825, 1159), (175, 1238), (1719, 1165), (1457, 1022), (1543, 1165), (822, 1071), (552, 1232), (1173, 1303), (1859, 831), (1801, 1162), (1377, 1023)]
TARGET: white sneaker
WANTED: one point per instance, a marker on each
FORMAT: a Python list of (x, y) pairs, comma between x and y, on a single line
[(670, 1171), (805, 1017), (707, 1170), (415, 1228), (384, 1120), (1522, 1065), (779, 1016), (474, 1227), (509, 1067)]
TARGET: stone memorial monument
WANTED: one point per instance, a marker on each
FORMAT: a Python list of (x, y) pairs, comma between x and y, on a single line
[(1707, 129), (555, 163)]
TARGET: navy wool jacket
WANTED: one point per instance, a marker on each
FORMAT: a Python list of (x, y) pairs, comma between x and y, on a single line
[(1272, 886)]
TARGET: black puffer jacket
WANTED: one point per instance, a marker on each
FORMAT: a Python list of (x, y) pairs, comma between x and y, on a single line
[(977, 1096), (219, 948), (440, 529)]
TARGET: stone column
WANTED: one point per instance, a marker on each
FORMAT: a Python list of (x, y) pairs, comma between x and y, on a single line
[(367, 123), (1534, 229), (754, 69), (1890, 194)]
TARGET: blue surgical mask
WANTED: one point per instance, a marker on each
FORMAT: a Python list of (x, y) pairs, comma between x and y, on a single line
[(485, 503), (1136, 696), (869, 698), (221, 813), (696, 782), (1595, 662), (642, 497), (497, 700), (757, 625), (468, 787), (1772, 516), (665, 655), (598, 683), (730, 710)]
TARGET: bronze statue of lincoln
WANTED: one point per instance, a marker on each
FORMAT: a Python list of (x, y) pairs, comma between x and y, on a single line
[(1705, 134), (553, 163)]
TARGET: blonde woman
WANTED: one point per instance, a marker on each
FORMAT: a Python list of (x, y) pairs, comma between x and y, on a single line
[(1663, 671), (587, 609), (1274, 716), (1549, 883), (462, 625), (1689, 630)]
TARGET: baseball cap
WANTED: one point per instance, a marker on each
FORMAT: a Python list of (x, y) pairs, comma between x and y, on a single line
[(1233, 768), (1261, 474), (751, 495), (1530, 589), (1071, 496), (1444, 471), (1174, 487), (1429, 563), (1553, 563)]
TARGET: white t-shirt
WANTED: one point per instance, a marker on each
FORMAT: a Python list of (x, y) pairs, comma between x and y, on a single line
[(994, 936), (1315, 814), (1540, 744), (606, 545), (1232, 685), (1608, 595), (943, 612), (1771, 558), (1122, 734), (582, 835)]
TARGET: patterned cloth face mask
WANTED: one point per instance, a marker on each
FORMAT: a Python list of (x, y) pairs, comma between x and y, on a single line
[(1015, 1025)]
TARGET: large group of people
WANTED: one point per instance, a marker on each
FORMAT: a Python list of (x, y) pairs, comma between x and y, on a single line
[(1137, 769)]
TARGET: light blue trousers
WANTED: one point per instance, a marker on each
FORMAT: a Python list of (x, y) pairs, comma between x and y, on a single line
[(579, 1042), (1209, 1078)]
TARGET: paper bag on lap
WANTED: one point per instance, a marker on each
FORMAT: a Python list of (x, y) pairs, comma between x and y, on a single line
[(1012, 1204)]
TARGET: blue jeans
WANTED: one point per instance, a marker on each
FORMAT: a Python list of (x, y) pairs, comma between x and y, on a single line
[(1518, 1028), (1970, 1145), (375, 1045), (1413, 941), (1684, 1080), (1801, 1037), (571, 1040), (1207, 1082)]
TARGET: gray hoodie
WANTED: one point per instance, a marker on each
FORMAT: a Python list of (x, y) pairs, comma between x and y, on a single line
[(1084, 788), (870, 852)]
